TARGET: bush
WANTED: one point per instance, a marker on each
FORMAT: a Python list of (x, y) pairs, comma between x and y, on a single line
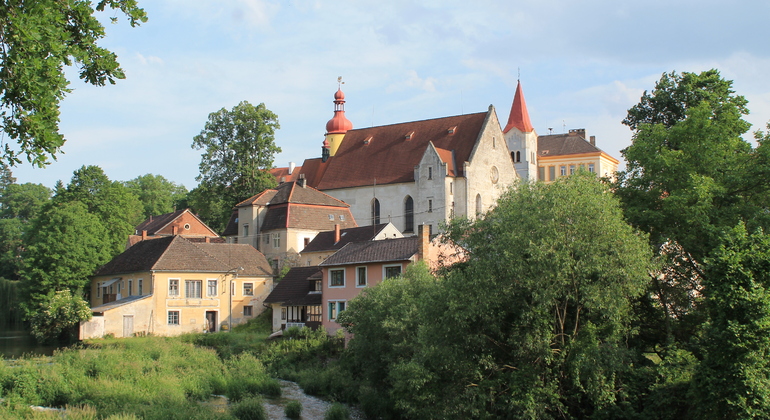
[(293, 409), (337, 412), (249, 409)]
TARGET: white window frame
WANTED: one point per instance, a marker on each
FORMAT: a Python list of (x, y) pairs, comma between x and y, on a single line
[(358, 276), (562, 170), (592, 168), (208, 287), (336, 306), (336, 270), (177, 317), (173, 287), (277, 240), (191, 293), (251, 286), (385, 270)]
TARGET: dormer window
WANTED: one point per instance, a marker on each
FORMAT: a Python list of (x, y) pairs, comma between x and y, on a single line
[(409, 135)]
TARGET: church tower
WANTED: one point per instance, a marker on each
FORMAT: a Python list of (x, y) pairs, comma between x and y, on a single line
[(521, 137), (337, 126)]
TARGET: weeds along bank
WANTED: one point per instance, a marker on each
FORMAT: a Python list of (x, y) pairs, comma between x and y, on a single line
[(150, 377)]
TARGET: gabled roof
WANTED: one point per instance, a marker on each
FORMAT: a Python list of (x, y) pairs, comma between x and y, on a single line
[(155, 224), (388, 154), (294, 288), (564, 144), (324, 241), (175, 253), (519, 116), (283, 175), (261, 199), (293, 206), (400, 249)]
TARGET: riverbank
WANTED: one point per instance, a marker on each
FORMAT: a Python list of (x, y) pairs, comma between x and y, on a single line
[(157, 377)]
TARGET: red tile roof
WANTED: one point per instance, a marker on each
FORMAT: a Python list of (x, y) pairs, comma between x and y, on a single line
[(389, 153), (519, 116)]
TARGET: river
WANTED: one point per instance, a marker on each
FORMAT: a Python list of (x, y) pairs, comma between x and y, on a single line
[(16, 343)]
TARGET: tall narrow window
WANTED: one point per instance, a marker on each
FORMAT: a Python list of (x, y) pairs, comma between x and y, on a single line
[(276, 240), (173, 287), (541, 173), (551, 173), (211, 290), (245, 230), (430, 172), (430, 206), (563, 170), (361, 276), (478, 204), (375, 211), (130, 287), (518, 157), (408, 214), (140, 287)]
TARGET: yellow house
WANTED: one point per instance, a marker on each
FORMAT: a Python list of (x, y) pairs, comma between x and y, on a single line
[(171, 285), (561, 155)]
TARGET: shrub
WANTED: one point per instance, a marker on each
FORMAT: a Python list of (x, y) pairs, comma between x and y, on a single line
[(293, 409), (337, 412), (249, 409)]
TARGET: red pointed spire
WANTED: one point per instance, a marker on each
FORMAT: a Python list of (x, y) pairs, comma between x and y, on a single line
[(519, 116)]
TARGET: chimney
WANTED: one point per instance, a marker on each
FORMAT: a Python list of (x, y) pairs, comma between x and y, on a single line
[(292, 165), (174, 230), (208, 240), (336, 233), (423, 231), (302, 181), (593, 141), (144, 235)]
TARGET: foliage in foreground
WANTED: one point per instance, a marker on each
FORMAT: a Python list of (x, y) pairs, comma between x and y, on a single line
[(150, 378)]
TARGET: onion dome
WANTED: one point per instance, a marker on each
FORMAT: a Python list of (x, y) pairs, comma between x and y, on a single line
[(339, 124)]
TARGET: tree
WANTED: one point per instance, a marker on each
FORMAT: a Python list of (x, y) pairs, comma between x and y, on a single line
[(65, 245), (675, 94), (534, 323), (239, 148), (37, 40), (58, 315), (156, 193), (113, 203), (690, 174), (733, 381)]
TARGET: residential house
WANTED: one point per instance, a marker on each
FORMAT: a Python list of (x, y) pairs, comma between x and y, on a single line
[(180, 222), (359, 265), (296, 299), (280, 222), (327, 243), (172, 285)]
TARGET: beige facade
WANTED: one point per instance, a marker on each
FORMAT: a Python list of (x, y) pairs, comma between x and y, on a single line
[(554, 167)]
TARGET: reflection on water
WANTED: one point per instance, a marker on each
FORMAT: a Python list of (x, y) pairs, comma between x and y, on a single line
[(16, 343)]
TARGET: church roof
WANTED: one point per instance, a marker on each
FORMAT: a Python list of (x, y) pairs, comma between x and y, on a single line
[(519, 116), (388, 154)]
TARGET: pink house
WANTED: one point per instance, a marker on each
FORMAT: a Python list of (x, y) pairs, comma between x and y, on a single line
[(359, 265)]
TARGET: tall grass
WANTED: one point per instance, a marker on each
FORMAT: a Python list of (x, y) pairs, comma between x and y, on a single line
[(148, 377)]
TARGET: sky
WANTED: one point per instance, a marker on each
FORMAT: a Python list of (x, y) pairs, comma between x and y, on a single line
[(581, 65)]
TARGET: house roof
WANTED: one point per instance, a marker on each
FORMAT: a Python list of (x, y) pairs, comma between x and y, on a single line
[(261, 199), (301, 216), (117, 303), (324, 241), (388, 154), (283, 175), (176, 253), (294, 288), (154, 224), (231, 229), (399, 249), (564, 144)]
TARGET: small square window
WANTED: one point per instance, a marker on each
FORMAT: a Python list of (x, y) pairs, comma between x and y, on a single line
[(331, 217), (173, 317), (248, 289), (248, 310), (336, 278), (342, 217), (392, 271)]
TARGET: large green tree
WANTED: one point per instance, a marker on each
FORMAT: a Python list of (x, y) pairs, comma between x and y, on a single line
[(65, 245), (238, 150), (733, 381), (37, 40), (157, 194), (116, 207), (534, 324)]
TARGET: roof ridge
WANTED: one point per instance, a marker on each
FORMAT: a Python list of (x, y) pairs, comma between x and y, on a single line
[(418, 121)]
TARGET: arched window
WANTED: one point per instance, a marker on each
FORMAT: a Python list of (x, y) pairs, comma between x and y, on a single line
[(375, 211), (478, 204), (518, 156), (408, 214)]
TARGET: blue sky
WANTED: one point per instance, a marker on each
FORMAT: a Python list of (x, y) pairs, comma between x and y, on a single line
[(582, 65)]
